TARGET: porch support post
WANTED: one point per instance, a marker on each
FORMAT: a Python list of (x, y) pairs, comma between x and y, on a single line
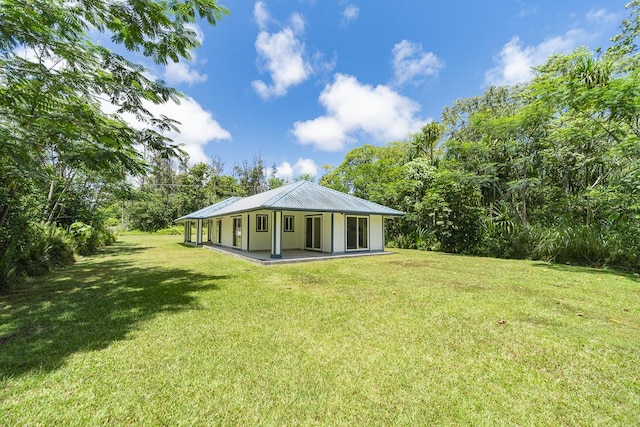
[(276, 238), (199, 233), (186, 231)]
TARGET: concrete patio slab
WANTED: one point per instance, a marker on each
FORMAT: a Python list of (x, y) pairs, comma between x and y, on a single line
[(288, 256)]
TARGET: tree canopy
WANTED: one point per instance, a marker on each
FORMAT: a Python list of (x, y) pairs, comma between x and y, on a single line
[(60, 149)]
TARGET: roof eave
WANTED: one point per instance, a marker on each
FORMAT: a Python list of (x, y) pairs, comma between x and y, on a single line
[(282, 209)]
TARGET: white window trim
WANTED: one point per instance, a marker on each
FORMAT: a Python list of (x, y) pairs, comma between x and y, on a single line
[(265, 218), (284, 225)]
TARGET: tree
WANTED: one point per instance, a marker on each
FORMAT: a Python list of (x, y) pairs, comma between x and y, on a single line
[(54, 81), (369, 171), (274, 181), (305, 177), (252, 175), (424, 143), (193, 191)]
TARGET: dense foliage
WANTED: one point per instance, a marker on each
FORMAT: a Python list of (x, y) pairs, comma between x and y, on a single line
[(170, 191), (61, 155), (549, 169)]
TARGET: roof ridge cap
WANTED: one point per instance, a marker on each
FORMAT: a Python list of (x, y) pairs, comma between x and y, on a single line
[(282, 194)]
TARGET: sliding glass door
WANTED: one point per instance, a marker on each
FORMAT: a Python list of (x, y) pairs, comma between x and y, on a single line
[(357, 233), (218, 231), (313, 233), (237, 231)]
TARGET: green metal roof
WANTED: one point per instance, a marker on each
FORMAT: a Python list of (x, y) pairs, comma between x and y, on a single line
[(299, 196)]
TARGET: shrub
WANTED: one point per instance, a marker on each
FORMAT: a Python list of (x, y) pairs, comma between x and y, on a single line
[(85, 238), (41, 248), (175, 230)]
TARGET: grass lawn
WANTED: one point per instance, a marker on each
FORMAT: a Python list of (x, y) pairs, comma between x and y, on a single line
[(150, 332)]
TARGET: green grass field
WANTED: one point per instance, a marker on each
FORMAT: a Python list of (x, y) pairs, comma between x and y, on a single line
[(150, 332)]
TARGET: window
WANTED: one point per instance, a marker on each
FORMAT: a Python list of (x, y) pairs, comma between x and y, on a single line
[(357, 233), (261, 222), (288, 223)]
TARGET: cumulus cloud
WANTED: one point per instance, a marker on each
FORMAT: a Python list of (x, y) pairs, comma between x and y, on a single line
[(181, 72), (197, 126), (515, 61), (412, 64), (354, 109), (287, 171), (197, 129), (281, 54), (350, 13)]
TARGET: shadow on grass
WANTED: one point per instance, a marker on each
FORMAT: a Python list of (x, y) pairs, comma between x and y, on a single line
[(89, 306)]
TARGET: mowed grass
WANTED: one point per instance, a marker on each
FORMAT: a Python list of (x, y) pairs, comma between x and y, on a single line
[(150, 332)]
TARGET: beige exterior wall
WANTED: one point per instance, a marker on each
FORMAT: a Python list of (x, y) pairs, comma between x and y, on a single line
[(295, 239), (333, 232), (376, 233), (259, 240), (227, 231), (339, 235), (326, 232)]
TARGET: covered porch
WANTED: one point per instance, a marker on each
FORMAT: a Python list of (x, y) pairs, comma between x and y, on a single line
[(288, 256), (302, 220), (307, 233)]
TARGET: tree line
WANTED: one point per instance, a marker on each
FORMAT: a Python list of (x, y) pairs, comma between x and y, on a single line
[(173, 188)]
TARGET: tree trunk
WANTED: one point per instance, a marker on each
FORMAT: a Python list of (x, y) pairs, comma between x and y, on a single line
[(67, 184), (3, 214)]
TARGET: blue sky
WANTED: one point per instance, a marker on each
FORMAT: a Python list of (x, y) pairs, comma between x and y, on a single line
[(303, 81)]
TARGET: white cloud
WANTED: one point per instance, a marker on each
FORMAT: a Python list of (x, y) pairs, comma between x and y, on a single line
[(350, 13), (281, 54), (197, 126), (411, 64), (306, 166), (297, 23), (287, 171), (515, 61), (354, 109), (261, 15), (284, 171), (601, 16), (181, 72), (197, 129)]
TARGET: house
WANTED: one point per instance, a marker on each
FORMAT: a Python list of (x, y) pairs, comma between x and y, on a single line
[(300, 216)]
